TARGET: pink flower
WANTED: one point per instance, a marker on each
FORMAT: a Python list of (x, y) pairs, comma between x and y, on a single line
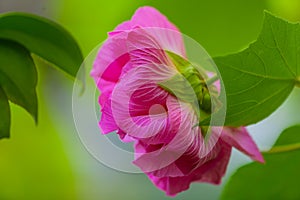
[(130, 70)]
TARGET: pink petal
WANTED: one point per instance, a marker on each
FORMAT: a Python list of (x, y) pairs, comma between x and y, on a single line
[(149, 22), (145, 17), (107, 123), (150, 17), (144, 157), (144, 49), (106, 88), (184, 165), (183, 137), (214, 170), (133, 97), (124, 137), (113, 56), (110, 59), (211, 172), (125, 26), (107, 68), (240, 139), (150, 44)]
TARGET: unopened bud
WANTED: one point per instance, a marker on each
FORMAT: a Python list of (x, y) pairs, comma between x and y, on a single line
[(193, 79)]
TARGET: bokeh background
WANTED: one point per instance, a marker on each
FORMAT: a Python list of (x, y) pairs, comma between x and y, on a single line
[(48, 161)]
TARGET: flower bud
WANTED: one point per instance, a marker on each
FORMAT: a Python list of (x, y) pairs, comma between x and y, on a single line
[(194, 79)]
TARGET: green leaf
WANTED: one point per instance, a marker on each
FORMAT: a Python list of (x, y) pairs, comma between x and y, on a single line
[(4, 115), (277, 179), (18, 76), (289, 136), (260, 78), (43, 38)]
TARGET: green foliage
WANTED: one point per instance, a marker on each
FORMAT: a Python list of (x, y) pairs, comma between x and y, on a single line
[(4, 115), (18, 76), (277, 179), (43, 38), (20, 36), (260, 78)]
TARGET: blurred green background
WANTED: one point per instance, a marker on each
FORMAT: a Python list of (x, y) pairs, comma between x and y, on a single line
[(49, 162)]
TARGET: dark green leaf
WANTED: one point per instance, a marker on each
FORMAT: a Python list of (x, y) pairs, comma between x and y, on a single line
[(18, 76), (4, 115), (43, 38), (277, 179), (260, 78)]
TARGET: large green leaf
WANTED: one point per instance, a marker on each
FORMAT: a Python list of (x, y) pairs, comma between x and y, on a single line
[(4, 115), (260, 78), (277, 179), (43, 38), (18, 76)]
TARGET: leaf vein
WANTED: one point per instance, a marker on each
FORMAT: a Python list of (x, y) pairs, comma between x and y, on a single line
[(261, 102), (281, 54)]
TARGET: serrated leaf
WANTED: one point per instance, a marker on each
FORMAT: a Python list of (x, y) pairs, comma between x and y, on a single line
[(277, 179), (18, 76), (4, 115), (260, 78), (43, 38)]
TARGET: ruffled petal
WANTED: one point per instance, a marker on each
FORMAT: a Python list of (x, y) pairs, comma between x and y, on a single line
[(183, 138), (107, 123), (126, 43), (145, 17), (110, 59), (211, 172), (144, 49), (108, 65), (149, 45), (150, 17), (134, 97)]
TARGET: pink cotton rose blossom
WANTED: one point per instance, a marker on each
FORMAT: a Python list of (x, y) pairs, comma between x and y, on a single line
[(129, 70)]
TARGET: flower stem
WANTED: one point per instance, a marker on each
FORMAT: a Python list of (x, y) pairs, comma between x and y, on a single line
[(212, 80), (283, 148)]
